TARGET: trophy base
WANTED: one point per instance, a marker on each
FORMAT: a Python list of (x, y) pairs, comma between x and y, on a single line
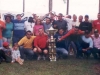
[(53, 59)]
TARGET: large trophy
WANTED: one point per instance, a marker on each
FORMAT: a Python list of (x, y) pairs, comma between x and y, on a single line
[(51, 44)]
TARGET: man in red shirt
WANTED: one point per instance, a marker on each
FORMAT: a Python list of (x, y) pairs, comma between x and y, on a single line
[(2, 26), (40, 44), (96, 23), (73, 37)]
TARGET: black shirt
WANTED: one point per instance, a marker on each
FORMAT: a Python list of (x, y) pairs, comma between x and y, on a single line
[(85, 26)]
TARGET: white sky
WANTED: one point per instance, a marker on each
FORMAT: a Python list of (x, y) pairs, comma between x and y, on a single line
[(78, 7)]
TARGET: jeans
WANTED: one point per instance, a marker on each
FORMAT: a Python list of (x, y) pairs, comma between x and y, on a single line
[(26, 54), (1, 43), (62, 51), (95, 51)]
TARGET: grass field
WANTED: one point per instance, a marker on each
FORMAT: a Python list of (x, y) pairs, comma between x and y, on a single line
[(70, 66)]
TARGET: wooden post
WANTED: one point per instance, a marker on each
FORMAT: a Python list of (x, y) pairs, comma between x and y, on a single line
[(23, 5), (50, 5), (67, 11)]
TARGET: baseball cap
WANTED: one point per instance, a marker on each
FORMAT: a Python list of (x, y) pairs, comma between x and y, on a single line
[(87, 16), (5, 44)]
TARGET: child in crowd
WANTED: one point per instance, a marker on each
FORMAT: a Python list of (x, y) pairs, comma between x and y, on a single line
[(6, 51), (16, 55)]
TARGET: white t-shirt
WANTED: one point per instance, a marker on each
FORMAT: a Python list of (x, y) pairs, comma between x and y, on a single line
[(15, 54), (88, 40), (29, 26), (75, 23), (69, 23)]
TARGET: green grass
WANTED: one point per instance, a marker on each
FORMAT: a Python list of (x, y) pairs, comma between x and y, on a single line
[(70, 66)]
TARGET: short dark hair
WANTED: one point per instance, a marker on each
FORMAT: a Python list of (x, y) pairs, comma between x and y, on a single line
[(48, 18), (60, 29), (60, 14), (31, 20), (18, 15), (69, 16), (28, 31), (7, 17), (86, 16)]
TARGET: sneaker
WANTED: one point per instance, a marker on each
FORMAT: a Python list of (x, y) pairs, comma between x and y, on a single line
[(44, 58), (39, 58), (12, 61)]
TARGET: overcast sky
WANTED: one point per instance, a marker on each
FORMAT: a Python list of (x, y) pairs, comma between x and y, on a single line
[(78, 7)]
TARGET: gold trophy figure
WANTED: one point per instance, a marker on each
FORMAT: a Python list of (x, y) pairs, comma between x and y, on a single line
[(52, 46)]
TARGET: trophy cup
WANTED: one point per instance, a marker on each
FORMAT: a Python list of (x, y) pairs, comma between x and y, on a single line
[(51, 44)]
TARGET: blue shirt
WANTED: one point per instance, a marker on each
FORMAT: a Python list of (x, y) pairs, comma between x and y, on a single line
[(59, 44), (7, 32), (18, 28)]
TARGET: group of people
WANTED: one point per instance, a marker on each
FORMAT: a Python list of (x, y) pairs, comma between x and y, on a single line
[(29, 39)]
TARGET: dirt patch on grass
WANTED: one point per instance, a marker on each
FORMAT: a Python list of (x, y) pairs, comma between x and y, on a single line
[(96, 67)]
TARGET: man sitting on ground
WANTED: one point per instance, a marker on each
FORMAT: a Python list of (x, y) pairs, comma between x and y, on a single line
[(96, 41), (26, 46), (40, 44), (87, 44), (60, 45)]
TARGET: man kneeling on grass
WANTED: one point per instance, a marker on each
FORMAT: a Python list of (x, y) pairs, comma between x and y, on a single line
[(40, 44), (61, 47), (26, 46)]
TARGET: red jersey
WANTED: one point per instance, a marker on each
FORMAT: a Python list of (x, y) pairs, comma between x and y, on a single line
[(2, 26), (96, 25), (71, 32), (41, 41)]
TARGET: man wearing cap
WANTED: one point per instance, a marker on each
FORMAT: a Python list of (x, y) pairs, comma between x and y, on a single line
[(73, 35), (86, 44), (7, 52), (86, 25), (18, 29), (96, 41)]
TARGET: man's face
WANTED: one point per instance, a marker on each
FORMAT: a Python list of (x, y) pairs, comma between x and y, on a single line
[(86, 18), (41, 31), (87, 35), (47, 21), (61, 31), (74, 18), (76, 30), (8, 19), (80, 18), (96, 34), (29, 34), (59, 17), (18, 17), (52, 16), (98, 16)]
